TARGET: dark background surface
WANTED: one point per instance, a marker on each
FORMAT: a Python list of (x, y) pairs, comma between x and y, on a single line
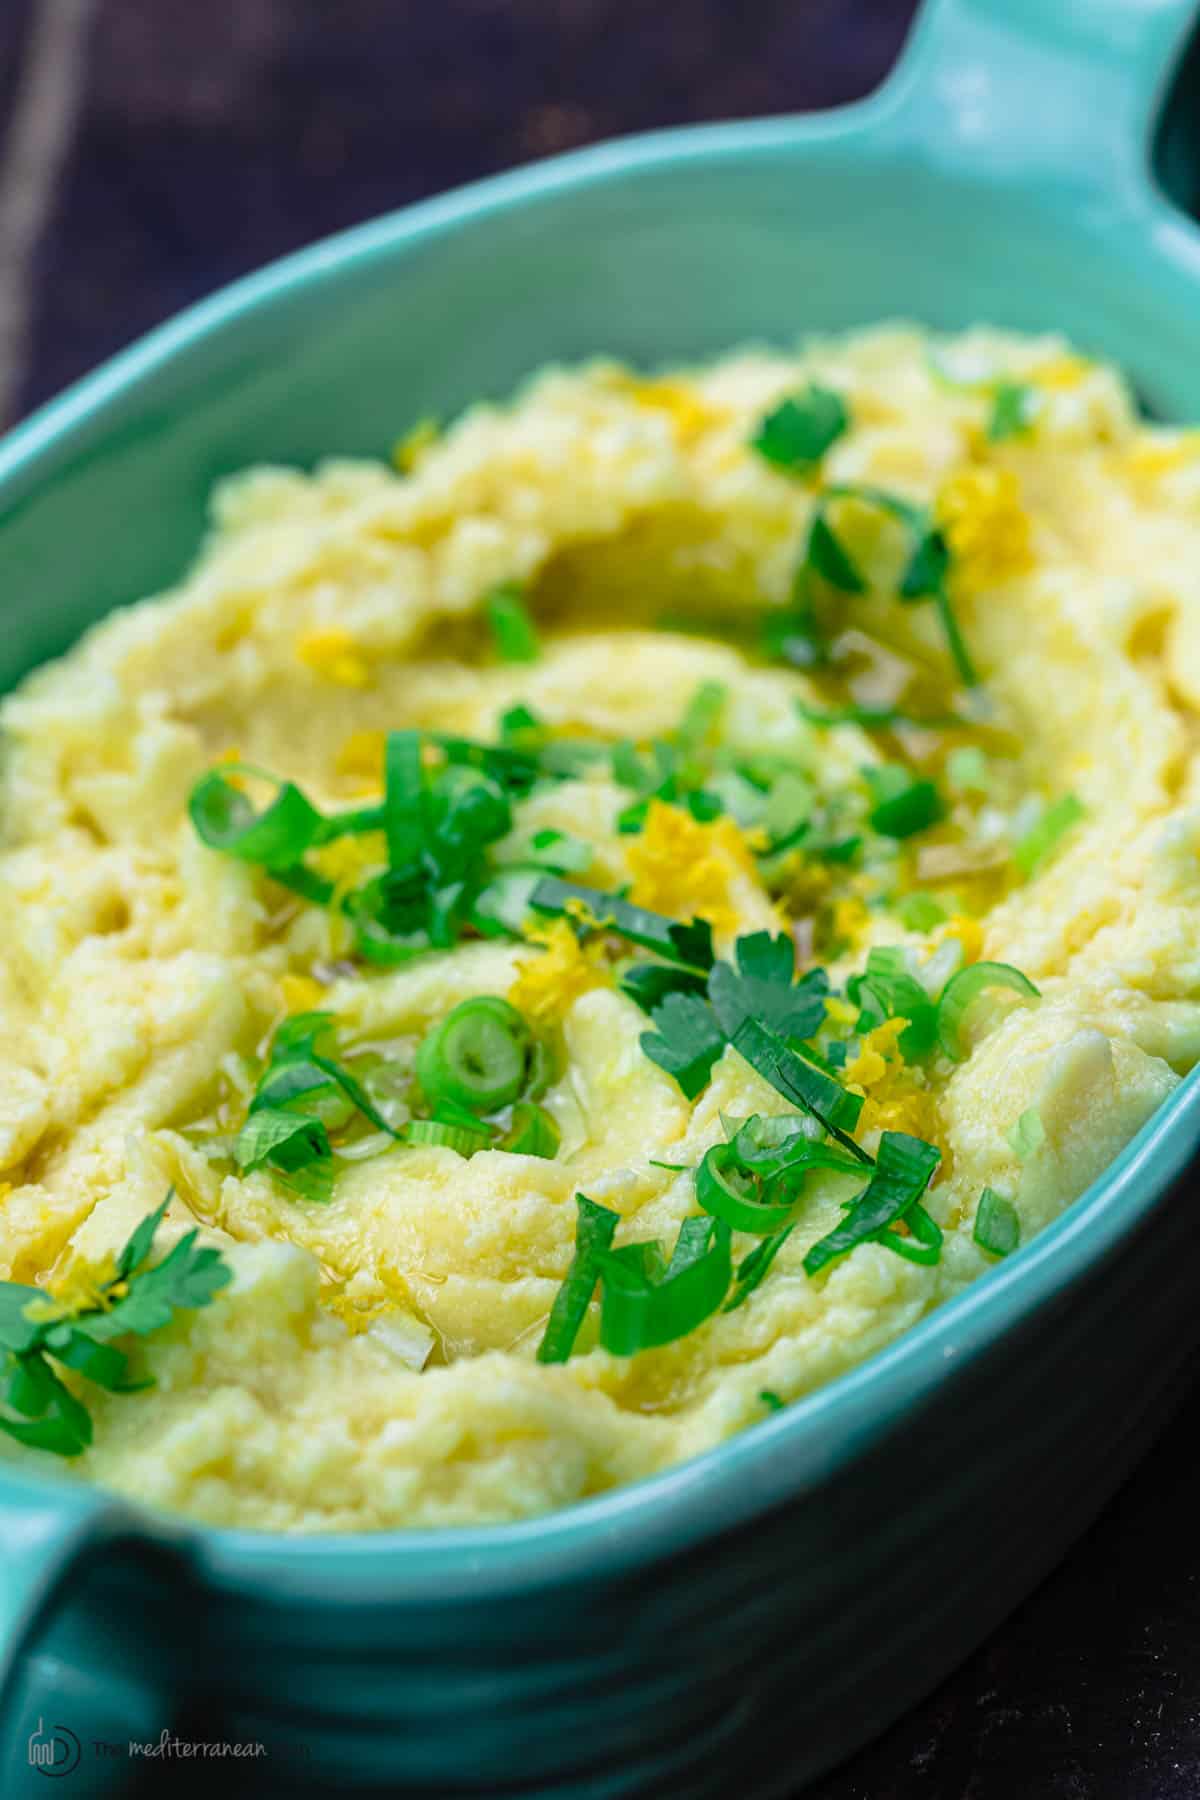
[(154, 149)]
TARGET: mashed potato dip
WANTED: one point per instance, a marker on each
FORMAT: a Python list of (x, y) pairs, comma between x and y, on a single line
[(536, 956)]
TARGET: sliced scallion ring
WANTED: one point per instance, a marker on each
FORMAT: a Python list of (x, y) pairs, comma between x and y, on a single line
[(532, 1132), (962, 989), (923, 1246), (730, 1193), (478, 1057), (432, 1132)]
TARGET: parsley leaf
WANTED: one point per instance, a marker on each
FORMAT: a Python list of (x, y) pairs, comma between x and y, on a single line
[(762, 987), (37, 1409), (686, 1040), (797, 433)]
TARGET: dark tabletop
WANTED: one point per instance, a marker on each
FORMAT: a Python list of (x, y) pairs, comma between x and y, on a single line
[(152, 150)]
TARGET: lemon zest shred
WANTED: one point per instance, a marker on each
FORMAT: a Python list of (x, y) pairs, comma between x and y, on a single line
[(361, 756), (686, 868), (300, 993), (965, 931), (548, 984), (331, 651), (987, 529)]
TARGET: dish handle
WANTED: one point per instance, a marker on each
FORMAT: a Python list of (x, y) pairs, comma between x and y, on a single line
[(1065, 91), (87, 1663)]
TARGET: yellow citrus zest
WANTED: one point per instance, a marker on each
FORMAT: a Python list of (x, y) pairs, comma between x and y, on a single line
[(300, 993), (1065, 371), (690, 414), (688, 869), (81, 1288), (361, 757), (333, 653), (348, 858), (877, 1055), (987, 529), (966, 931), (549, 983), (849, 918)]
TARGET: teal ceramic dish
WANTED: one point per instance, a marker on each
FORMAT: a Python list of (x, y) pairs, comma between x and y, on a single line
[(741, 1622)]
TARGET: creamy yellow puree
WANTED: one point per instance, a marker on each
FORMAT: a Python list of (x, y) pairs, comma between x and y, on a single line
[(143, 972)]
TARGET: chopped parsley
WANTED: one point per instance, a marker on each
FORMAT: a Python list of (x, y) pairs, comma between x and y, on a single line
[(796, 434), (37, 1408)]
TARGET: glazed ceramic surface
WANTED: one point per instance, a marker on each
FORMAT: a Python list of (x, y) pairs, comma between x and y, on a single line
[(739, 1623)]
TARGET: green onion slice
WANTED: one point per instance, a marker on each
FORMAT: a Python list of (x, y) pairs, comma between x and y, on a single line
[(225, 819), (645, 1305), (436, 1132), (514, 632), (801, 1082), (997, 1224), (1043, 839), (903, 804), (887, 989), (903, 1170), (532, 1132), (1028, 1134), (672, 939), (595, 1226), (478, 1056), (962, 989), (730, 1192), (925, 1244)]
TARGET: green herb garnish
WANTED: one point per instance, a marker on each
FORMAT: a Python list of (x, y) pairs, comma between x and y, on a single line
[(647, 1302), (672, 939), (686, 1040), (903, 803), (477, 1057), (926, 572), (997, 1224), (302, 1092), (761, 984), (887, 989), (36, 1406), (514, 632), (797, 433), (1044, 838), (903, 1170), (1028, 1134), (800, 1081), (595, 1226), (921, 912), (1012, 410), (532, 1132), (962, 989)]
